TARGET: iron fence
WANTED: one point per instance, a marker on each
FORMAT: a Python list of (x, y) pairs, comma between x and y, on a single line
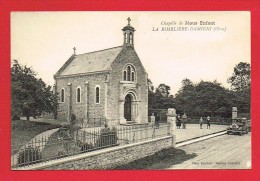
[(66, 142)]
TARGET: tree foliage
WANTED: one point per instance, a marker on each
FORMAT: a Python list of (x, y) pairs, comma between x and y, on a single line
[(204, 98), (160, 98), (241, 78), (241, 85), (30, 95)]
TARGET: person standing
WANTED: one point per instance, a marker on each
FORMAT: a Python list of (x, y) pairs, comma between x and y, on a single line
[(184, 120), (201, 122), (183, 123), (208, 122), (178, 122)]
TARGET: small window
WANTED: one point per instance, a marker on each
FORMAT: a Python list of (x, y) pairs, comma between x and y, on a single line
[(78, 94), (131, 38), (133, 76), (125, 38), (124, 75), (62, 95), (97, 95), (128, 73)]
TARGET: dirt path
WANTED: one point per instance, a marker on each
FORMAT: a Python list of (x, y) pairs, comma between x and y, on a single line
[(223, 152)]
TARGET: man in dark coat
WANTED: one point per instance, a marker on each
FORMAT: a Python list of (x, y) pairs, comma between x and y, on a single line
[(178, 122)]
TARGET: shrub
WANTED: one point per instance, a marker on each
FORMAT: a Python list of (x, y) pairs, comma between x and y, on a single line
[(64, 134), (16, 117), (86, 147), (108, 137), (23, 125), (29, 156)]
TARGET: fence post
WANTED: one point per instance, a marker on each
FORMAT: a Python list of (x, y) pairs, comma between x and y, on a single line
[(152, 119), (171, 119), (234, 112)]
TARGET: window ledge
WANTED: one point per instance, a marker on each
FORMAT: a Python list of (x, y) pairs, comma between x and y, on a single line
[(127, 82)]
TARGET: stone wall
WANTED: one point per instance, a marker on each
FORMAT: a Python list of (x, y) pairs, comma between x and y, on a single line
[(79, 108), (107, 158)]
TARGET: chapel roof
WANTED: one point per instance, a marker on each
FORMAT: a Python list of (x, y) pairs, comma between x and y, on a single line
[(91, 62)]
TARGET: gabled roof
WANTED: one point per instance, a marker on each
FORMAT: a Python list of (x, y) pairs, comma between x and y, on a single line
[(89, 62)]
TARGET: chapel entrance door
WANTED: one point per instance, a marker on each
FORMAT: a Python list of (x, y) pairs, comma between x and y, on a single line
[(127, 107)]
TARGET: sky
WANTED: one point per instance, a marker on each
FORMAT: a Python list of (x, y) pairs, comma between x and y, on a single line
[(207, 51)]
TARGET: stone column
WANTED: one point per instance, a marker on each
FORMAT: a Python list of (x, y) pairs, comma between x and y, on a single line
[(152, 119), (171, 119), (122, 119), (121, 100), (86, 102), (234, 112), (137, 115), (105, 113), (54, 89), (69, 102)]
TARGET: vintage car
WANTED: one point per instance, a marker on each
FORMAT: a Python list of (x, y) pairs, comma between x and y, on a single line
[(239, 126)]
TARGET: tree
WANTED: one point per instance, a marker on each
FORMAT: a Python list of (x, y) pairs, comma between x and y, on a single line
[(241, 86), (184, 99), (204, 98), (30, 96), (241, 79), (163, 99), (160, 98), (163, 90)]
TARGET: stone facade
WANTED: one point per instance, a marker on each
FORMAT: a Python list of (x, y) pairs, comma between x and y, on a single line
[(87, 85), (120, 76)]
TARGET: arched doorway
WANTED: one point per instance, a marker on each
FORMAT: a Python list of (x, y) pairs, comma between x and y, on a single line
[(128, 107)]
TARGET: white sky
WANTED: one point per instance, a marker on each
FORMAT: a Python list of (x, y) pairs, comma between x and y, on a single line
[(44, 41)]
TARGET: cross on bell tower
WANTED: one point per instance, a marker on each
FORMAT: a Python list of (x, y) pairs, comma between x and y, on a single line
[(128, 32), (128, 19)]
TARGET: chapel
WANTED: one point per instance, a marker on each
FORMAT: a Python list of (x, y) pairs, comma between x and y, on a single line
[(109, 83)]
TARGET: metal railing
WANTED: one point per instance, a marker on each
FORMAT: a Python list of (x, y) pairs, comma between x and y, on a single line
[(66, 142)]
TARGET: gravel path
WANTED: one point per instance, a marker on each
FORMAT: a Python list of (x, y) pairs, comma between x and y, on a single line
[(222, 152)]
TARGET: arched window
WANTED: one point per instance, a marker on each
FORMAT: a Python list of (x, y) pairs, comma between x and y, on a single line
[(62, 95), (131, 38), (124, 75), (125, 38), (133, 76), (97, 98), (129, 73), (78, 94)]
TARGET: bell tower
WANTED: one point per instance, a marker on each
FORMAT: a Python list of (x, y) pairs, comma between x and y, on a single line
[(128, 32)]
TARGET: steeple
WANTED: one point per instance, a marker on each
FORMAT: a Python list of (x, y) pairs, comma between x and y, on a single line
[(128, 32)]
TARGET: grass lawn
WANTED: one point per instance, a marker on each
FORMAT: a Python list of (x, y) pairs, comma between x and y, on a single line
[(160, 160), (24, 131)]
